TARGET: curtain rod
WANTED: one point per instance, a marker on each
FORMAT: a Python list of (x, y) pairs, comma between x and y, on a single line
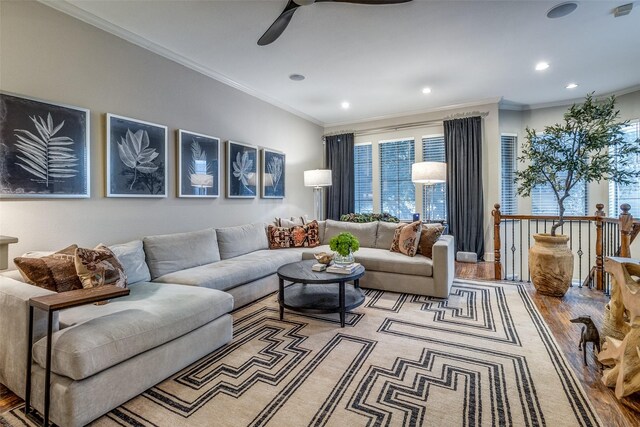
[(372, 131)]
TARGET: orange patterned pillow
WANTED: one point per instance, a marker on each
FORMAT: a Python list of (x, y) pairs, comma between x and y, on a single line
[(406, 239), (279, 237), (305, 236)]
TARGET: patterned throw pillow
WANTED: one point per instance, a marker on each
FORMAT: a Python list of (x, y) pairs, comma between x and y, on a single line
[(305, 236), (428, 237), (406, 239), (279, 237), (55, 272), (99, 267)]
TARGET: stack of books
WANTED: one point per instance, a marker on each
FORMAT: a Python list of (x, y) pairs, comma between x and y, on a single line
[(343, 269)]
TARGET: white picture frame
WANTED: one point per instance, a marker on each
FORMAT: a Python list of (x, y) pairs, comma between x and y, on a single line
[(241, 170), (198, 165)]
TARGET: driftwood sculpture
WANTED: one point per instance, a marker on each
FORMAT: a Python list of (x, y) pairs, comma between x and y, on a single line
[(623, 356), (589, 334)]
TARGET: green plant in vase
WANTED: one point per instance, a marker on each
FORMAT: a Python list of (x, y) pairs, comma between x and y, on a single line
[(344, 245)]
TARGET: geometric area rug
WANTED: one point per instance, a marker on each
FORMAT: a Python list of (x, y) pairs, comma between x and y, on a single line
[(482, 357)]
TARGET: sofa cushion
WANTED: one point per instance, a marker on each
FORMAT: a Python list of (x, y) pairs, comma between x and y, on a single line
[(428, 237), (322, 225), (228, 274), (236, 241), (55, 272), (383, 260), (98, 337), (407, 238), (172, 252), (131, 256), (365, 233), (279, 237), (384, 238)]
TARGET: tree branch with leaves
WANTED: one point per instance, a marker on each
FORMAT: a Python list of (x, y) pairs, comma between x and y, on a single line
[(588, 147)]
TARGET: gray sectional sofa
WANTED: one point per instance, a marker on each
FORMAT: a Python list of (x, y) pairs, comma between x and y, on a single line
[(183, 287)]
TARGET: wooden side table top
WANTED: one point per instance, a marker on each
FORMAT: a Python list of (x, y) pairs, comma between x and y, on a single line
[(77, 298)]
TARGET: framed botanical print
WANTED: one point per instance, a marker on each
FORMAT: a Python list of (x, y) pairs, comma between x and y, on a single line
[(44, 149), (242, 170), (272, 174), (198, 165), (136, 158)]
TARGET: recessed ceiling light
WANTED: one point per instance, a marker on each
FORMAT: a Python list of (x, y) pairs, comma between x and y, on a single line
[(296, 77), (345, 105), (571, 86), (540, 66), (562, 9), (426, 90)]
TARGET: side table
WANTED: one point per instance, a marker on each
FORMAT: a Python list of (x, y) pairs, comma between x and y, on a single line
[(51, 304)]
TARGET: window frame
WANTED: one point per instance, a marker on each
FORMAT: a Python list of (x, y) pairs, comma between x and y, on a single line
[(381, 144)]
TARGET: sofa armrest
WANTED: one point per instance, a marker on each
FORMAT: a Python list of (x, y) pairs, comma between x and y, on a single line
[(444, 267), (14, 330)]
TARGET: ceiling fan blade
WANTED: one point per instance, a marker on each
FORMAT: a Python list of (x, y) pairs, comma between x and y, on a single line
[(366, 1), (279, 25)]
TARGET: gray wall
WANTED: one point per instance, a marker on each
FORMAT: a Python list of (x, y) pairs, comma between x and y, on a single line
[(48, 55)]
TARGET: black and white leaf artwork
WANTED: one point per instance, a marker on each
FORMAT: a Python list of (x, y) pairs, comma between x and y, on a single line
[(243, 170), (44, 155), (135, 153), (199, 158), (275, 168)]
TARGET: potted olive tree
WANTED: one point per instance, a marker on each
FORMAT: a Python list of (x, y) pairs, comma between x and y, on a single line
[(578, 151)]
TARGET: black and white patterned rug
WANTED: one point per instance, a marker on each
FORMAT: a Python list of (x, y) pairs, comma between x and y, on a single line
[(482, 357)]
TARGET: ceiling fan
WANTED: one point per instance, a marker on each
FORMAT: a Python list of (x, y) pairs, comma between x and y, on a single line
[(281, 22)]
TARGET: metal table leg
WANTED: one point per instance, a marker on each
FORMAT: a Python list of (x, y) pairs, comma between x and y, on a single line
[(342, 307), (47, 374), (27, 392), (281, 297)]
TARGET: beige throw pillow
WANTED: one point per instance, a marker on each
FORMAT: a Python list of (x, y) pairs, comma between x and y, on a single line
[(55, 272), (407, 238), (428, 237), (99, 267)]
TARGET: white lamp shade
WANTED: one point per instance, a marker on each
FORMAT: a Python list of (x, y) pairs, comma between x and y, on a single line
[(317, 178), (429, 172)]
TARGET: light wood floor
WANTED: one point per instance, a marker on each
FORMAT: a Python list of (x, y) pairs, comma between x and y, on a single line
[(557, 312)]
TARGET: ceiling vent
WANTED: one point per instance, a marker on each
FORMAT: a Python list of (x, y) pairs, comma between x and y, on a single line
[(623, 10)]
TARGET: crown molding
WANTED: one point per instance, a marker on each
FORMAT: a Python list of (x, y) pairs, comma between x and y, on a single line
[(485, 101), (91, 19), (508, 105)]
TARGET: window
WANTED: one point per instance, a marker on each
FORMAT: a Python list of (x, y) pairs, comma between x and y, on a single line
[(508, 155), (398, 195), (433, 151), (630, 193), (544, 202), (362, 178)]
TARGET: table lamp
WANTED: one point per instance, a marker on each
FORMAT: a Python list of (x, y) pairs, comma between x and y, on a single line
[(429, 174)]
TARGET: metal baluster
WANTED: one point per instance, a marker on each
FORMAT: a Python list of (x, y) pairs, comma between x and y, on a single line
[(570, 243), (545, 225), (513, 250), (528, 246), (506, 262), (580, 252), (591, 282), (521, 270)]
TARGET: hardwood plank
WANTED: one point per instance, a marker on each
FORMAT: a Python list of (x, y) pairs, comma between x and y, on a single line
[(8, 400)]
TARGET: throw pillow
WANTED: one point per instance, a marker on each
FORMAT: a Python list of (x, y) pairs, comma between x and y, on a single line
[(55, 272), (99, 267), (428, 237), (406, 239), (279, 237), (305, 236)]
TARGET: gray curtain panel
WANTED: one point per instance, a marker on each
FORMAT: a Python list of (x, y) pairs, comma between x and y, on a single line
[(465, 201), (340, 196)]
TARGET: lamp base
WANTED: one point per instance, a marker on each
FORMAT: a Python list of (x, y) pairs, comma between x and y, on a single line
[(317, 203)]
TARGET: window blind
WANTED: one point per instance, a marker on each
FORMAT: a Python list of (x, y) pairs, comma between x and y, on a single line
[(397, 191), (629, 193), (362, 166), (508, 158), (433, 151), (544, 202)]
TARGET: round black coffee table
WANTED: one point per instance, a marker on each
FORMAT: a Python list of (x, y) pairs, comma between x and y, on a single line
[(318, 292)]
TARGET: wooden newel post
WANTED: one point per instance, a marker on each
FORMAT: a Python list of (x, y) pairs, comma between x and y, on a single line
[(497, 219), (599, 247), (626, 226)]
